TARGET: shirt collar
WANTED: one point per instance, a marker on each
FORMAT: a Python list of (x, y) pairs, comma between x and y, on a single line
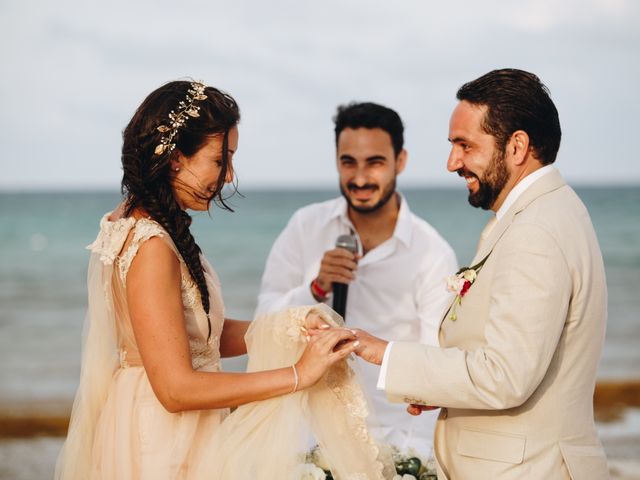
[(403, 225), (402, 230), (520, 188)]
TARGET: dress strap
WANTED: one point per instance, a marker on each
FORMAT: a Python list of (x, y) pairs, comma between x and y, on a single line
[(111, 238), (143, 230)]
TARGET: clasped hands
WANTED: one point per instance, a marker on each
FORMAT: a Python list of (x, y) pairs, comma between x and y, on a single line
[(369, 347)]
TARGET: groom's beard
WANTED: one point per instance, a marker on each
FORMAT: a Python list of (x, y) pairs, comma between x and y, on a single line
[(491, 183)]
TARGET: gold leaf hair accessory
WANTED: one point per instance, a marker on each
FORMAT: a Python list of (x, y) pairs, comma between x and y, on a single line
[(186, 108)]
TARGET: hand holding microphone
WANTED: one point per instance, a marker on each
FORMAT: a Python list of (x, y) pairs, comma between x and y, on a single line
[(340, 289), (337, 270)]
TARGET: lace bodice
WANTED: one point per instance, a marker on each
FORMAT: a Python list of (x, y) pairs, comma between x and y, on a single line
[(113, 235)]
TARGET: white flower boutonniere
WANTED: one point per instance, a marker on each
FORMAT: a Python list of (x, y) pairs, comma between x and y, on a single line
[(461, 282)]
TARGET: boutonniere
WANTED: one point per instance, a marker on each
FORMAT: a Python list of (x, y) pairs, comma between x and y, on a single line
[(461, 282)]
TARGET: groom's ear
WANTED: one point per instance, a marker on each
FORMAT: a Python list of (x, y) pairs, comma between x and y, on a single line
[(518, 148), (401, 161)]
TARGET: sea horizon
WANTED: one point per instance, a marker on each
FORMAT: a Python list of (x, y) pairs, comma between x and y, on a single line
[(43, 273), (453, 184)]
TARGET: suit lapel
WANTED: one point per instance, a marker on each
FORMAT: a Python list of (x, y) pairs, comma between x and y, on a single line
[(548, 183)]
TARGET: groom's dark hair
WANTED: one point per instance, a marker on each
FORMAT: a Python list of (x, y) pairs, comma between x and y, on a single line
[(370, 115), (516, 100)]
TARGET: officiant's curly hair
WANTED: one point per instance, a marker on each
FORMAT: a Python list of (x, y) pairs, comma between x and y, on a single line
[(146, 180), (516, 100)]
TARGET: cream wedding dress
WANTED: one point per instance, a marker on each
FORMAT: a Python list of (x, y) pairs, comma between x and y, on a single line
[(119, 430)]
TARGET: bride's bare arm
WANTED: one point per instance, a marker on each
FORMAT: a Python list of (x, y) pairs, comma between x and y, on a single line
[(155, 307), (232, 339)]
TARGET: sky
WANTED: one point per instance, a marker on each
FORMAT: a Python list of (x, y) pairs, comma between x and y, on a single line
[(74, 72)]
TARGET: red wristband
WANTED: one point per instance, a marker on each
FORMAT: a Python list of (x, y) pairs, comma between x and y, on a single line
[(317, 291)]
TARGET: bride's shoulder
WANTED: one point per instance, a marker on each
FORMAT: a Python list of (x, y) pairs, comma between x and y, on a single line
[(151, 245), (146, 228), (121, 235), (113, 233), (138, 224)]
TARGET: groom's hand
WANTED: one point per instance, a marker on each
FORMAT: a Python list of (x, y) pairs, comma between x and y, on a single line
[(416, 410), (371, 349)]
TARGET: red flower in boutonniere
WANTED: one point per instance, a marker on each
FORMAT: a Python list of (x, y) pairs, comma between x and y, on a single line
[(465, 288), (461, 282)]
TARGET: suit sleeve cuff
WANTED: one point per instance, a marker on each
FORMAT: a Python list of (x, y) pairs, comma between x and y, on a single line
[(382, 377)]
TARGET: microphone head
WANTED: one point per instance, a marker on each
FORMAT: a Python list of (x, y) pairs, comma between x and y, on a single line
[(348, 242)]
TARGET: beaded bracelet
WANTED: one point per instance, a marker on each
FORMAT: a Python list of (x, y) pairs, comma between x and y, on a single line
[(318, 292), (295, 379)]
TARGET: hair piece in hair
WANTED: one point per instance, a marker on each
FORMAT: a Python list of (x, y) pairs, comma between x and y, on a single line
[(147, 177)]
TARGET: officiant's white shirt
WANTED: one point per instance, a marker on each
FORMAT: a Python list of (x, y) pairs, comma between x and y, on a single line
[(398, 294)]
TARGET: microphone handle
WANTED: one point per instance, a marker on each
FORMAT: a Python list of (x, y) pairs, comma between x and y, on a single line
[(340, 291)]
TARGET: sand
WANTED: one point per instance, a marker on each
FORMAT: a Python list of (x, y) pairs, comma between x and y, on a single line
[(31, 435)]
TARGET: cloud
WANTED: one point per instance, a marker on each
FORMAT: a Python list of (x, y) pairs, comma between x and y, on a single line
[(75, 72)]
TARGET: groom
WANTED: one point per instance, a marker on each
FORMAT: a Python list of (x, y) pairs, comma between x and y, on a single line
[(516, 369)]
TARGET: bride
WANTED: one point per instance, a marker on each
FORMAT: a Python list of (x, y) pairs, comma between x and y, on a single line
[(152, 398)]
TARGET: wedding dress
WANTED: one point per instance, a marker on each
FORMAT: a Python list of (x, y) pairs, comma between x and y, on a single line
[(119, 430)]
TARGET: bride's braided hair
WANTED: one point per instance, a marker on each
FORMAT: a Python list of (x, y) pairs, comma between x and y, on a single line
[(147, 176)]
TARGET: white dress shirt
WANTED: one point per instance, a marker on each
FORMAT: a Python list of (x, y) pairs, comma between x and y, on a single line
[(511, 198), (398, 293)]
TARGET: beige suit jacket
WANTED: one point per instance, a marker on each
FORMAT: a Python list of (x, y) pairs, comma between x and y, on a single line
[(516, 370)]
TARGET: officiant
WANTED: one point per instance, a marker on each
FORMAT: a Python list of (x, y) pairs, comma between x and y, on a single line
[(394, 277)]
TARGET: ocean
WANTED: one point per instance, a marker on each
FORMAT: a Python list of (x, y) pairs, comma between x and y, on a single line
[(43, 264)]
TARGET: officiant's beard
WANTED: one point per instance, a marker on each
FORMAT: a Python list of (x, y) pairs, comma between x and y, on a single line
[(386, 196), (491, 183)]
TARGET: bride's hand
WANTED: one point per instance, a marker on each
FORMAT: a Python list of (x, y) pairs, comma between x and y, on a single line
[(321, 353), (314, 322)]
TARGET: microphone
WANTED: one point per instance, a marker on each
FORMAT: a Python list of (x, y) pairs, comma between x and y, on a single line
[(340, 290)]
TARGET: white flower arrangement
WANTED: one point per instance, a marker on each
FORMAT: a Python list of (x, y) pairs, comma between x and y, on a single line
[(309, 471), (409, 466), (314, 466)]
